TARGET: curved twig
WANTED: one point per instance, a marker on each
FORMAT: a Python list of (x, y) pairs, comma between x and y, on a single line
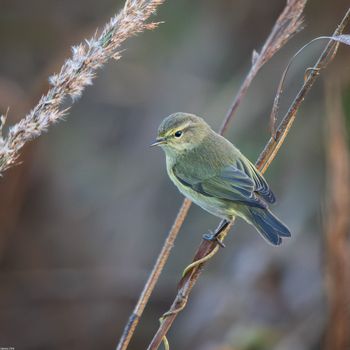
[(308, 71)]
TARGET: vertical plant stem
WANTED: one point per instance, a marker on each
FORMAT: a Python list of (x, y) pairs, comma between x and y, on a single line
[(153, 277), (337, 223), (327, 55)]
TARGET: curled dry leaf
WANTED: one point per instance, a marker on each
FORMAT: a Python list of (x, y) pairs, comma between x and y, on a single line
[(343, 39)]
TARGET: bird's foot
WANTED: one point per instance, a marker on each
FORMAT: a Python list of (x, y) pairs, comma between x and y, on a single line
[(212, 237)]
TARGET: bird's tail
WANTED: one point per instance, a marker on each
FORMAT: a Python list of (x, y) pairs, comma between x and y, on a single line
[(270, 227)]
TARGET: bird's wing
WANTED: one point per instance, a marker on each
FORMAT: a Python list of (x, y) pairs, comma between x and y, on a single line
[(260, 185), (233, 183)]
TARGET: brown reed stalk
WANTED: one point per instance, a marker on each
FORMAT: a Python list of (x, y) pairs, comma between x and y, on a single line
[(75, 75), (337, 225), (266, 157), (288, 23)]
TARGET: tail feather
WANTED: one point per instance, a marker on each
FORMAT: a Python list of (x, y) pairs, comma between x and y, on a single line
[(270, 227)]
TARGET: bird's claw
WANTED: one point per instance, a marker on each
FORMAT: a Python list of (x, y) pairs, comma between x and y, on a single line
[(212, 237)]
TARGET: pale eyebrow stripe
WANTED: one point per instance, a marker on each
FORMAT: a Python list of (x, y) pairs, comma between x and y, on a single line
[(180, 127)]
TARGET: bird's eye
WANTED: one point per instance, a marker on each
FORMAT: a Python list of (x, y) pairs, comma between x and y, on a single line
[(178, 134)]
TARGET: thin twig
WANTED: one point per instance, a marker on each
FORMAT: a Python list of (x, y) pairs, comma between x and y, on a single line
[(76, 74), (153, 277), (327, 55), (308, 71), (287, 24), (268, 154)]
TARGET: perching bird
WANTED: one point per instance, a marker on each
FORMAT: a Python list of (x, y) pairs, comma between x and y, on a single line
[(214, 174)]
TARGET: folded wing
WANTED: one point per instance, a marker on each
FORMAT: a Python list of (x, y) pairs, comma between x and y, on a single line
[(261, 186), (238, 183)]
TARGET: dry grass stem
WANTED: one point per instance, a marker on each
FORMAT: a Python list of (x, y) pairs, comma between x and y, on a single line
[(153, 278), (76, 74), (325, 58), (287, 24), (266, 157), (345, 39)]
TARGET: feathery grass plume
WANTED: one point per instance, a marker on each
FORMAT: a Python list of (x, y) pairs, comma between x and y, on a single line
[(76, 73)]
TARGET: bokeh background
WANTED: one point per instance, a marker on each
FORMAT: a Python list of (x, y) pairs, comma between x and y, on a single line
[(84, 215)]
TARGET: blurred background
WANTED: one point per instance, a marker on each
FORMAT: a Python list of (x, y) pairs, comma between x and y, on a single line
[(85, 214)]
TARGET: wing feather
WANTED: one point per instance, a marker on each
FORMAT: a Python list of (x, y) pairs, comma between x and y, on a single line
[(231, 184), (261, 186)]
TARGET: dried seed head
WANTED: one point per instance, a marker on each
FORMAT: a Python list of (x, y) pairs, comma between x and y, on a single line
[(77, 73)]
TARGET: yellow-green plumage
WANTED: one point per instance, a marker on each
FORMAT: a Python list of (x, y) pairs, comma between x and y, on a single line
[(214, 174)]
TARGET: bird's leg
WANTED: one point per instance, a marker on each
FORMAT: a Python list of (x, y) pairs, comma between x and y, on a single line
[(213, 236)]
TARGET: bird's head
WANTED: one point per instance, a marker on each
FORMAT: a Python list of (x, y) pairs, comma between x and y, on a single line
[(180, 132)]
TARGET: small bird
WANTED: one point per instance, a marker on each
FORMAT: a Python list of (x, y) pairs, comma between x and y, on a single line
[(210, 171)]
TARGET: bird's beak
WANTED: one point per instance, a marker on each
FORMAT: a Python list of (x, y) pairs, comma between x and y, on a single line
[(159, 141)]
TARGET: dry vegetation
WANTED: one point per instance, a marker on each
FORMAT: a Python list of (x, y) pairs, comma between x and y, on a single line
[(75, 75)]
